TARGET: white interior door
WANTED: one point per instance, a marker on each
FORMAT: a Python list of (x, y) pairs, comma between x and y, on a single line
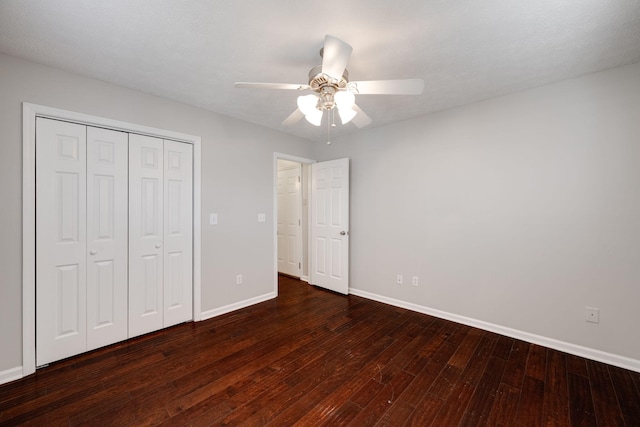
[(289, 221), (146, 165), (60, 240), (330, 225), (107, 240), (178, 233)]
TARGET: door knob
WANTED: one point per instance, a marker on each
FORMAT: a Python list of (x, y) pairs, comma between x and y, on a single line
[(343, 233), (93, 252), (158, 245)]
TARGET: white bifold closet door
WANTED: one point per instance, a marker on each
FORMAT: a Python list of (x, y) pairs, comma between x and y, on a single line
[(114, 237), (81, 250), (160, 233), (178, 233), (107, 229)]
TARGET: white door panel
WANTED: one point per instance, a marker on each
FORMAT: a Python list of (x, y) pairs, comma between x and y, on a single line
[(289, 221), (330, 225), (178, 233), (107, 241), (60, 240), (294, 215), (146, 251)]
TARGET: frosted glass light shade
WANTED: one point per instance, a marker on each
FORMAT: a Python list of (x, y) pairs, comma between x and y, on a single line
[(308, 105), (344, 99), (314, 118), (346, 114)]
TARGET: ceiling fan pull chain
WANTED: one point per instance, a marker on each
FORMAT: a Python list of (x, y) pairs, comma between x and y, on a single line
[(329, 127)]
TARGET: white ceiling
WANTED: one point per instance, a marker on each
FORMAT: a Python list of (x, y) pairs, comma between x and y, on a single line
[(193, 51)]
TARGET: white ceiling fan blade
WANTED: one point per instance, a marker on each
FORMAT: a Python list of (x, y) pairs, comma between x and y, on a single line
[(361, 119), (284, 86), (388, 87), (293, 118), (335, 57)]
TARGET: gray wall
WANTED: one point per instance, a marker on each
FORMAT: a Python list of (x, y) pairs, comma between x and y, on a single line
[(518, 211), (237, 176)]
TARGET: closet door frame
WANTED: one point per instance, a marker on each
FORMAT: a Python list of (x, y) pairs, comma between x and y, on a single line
[(29, 114)]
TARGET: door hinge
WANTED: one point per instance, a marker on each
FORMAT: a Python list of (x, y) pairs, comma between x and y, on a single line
[(299, 266), (299, 223), (298, 179)]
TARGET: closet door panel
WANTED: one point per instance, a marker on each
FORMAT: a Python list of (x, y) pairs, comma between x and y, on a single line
[(146, 218), (178, 232), (107, 236), (60, 240)]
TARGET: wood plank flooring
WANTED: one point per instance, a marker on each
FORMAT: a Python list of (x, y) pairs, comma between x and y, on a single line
[(311, 357)]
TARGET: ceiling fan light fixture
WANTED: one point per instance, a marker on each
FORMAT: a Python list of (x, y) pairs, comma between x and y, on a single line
[(333, 89)]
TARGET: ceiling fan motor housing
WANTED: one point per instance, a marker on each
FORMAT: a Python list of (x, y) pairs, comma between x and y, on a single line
[(317, 79), (326, 87)]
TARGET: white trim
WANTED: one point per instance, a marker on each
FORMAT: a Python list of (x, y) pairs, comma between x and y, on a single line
[(86, 119), (29, 114), (197, 230), (305, 278), (12, 374), (289, 157), (237, 305), (28, 239), (274, 217), (578, 350)]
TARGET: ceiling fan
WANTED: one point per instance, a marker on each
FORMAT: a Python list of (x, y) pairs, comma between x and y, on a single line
[(331, 88)]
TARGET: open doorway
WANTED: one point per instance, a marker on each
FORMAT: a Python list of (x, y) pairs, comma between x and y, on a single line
[(291, 212), (289, 233)]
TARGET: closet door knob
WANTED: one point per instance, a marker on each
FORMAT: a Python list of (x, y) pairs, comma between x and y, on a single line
[(158, 245), (93, 252)]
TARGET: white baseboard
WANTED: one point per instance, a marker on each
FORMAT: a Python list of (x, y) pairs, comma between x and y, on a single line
[(578, 350), (11, 374), (236, 306), (304, 278)]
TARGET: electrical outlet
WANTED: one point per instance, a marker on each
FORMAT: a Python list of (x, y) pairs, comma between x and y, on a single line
[(239, 279), (592, 315), (414, 281), (262, 217), (399, 279)]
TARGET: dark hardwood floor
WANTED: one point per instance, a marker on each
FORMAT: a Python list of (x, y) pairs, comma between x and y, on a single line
[(311, 357)]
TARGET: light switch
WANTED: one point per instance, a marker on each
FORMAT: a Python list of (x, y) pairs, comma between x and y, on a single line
[(262, 217), (213, 219)]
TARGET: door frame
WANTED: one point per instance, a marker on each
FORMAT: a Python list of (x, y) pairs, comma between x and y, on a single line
[(303, 161), (29, 114)]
